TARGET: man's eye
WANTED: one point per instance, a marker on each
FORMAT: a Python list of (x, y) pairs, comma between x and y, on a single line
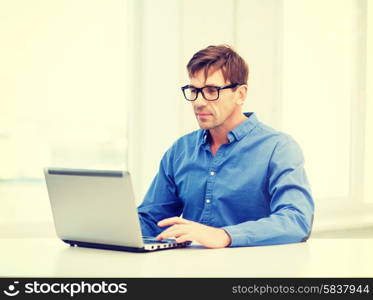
[(210, 90)]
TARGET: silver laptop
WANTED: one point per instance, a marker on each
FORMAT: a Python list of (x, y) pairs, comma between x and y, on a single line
[(97, 209)]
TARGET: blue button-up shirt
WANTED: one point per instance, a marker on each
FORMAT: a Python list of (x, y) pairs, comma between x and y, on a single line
[(255, 187)]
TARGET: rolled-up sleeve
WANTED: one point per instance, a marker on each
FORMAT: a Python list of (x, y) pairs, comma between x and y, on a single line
[(291, 203)]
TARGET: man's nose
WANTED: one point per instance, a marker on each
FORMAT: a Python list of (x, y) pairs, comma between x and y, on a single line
[(200, 101)]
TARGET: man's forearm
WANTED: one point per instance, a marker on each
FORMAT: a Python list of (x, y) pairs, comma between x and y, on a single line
[(285, 226), (148, 228)]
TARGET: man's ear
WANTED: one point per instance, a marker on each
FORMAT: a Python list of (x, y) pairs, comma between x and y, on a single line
[(242, 91)]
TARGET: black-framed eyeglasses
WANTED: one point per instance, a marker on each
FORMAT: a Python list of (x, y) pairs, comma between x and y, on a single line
[(209, 92)]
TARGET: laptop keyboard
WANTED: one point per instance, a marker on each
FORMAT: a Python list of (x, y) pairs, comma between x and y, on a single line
[(152, 244), (149, 240)]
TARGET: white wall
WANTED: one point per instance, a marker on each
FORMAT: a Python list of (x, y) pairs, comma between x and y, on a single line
[(368, 153)]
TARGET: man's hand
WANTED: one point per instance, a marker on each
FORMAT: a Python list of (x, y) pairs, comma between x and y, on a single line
[(184, 230)]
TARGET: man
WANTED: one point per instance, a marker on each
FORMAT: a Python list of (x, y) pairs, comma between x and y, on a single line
[(235, 181)]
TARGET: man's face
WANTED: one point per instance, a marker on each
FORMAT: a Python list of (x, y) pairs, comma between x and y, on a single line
[(212, 114)]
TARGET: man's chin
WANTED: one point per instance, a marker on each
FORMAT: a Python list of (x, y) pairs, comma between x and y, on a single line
[(205, 126)]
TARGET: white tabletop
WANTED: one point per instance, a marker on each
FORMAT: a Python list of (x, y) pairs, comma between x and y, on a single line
[(49, 257)]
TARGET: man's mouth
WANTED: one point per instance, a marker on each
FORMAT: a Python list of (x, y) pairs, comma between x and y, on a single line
[(203, 115)]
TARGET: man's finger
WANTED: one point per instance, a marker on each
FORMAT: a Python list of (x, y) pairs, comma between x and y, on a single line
[(172, 221), (184, 238), (171, 233)]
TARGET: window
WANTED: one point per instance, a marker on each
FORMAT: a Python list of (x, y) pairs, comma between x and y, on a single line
[(63, 83)]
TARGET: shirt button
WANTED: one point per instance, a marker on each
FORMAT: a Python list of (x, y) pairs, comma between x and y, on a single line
[(208, 200), (212, 173)]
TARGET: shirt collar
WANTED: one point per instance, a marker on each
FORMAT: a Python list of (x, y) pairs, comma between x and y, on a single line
[(244, 128), (238, 132)]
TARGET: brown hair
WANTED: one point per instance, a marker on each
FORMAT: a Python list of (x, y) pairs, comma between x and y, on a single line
[(212, 58)]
